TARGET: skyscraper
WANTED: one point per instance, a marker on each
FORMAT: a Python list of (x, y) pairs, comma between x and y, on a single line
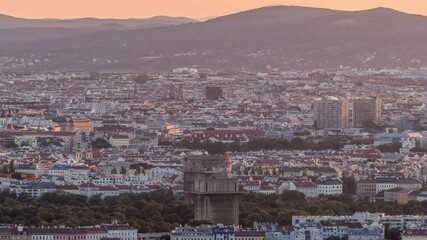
[(366, 109), (331, 112), (209, 186)]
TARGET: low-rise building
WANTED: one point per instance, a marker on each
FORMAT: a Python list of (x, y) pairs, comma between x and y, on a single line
[(119, 140), (400, 195), (309, 189), (371, 187), (192, 233), (357, 231), (122, 232), (249, 235), (414, 234), (329, 186)]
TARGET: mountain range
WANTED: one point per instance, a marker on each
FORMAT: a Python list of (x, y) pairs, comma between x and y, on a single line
[(8, 22), (287, 37)]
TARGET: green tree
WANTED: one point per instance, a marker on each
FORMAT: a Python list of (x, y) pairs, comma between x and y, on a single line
[(161, 210), (11, 145), (298, 143), (418, 150), (333, 238), (95, 200), (370, 124), (289, 195), (349, 183), (138, 170), (284, 217), (12, 166), (419, 128), (390, 147), (101, 143), (5, 169), (260, 170), (143, 78), (391, 233), (274, 172), (165, 237), (114, 171), (195, 223), (123, 170)]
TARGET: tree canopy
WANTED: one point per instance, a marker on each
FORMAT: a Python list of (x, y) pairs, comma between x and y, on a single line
[(390, 147), (100, 143), (156, 211), (259, 144), (370, 124), (161, 211)]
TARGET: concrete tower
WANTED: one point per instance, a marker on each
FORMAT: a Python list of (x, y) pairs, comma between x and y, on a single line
[(209, 186)]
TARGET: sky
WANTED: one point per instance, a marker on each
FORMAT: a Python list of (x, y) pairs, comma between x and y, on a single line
[(197, 9)]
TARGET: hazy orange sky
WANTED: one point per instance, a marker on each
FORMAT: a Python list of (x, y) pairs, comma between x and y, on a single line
[(188, 8)]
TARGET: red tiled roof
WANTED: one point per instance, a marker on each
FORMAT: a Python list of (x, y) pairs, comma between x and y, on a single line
[(67, 187), (305, 184), (107, 188)]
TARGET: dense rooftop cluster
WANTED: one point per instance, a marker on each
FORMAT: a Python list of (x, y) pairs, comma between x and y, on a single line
[(321, 133)]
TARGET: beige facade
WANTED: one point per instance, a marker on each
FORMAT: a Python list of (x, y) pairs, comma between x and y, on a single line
[(366, 109), (400, 196), (371, 187), (366, 188), (331, 113), (119, 140), (82, 124)]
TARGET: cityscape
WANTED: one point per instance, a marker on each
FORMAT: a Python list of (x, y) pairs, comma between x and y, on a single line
[(226, 142)]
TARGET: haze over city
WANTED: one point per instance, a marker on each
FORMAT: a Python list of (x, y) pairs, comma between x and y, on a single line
[(213, 120)]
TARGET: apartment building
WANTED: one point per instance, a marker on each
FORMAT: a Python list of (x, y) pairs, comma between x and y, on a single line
[(364, 109), (331, 112)]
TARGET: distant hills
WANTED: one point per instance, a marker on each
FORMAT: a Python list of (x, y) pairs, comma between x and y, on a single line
[(8, 22), (286, 37)]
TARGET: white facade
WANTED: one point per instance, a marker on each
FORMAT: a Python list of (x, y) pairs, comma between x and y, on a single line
[(329, 187), (122, 232), (158, 172), (309, 189), (119, 141), (383, 186)]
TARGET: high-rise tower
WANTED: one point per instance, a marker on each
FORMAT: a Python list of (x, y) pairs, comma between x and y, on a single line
[(331, 112), (365, 109)]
